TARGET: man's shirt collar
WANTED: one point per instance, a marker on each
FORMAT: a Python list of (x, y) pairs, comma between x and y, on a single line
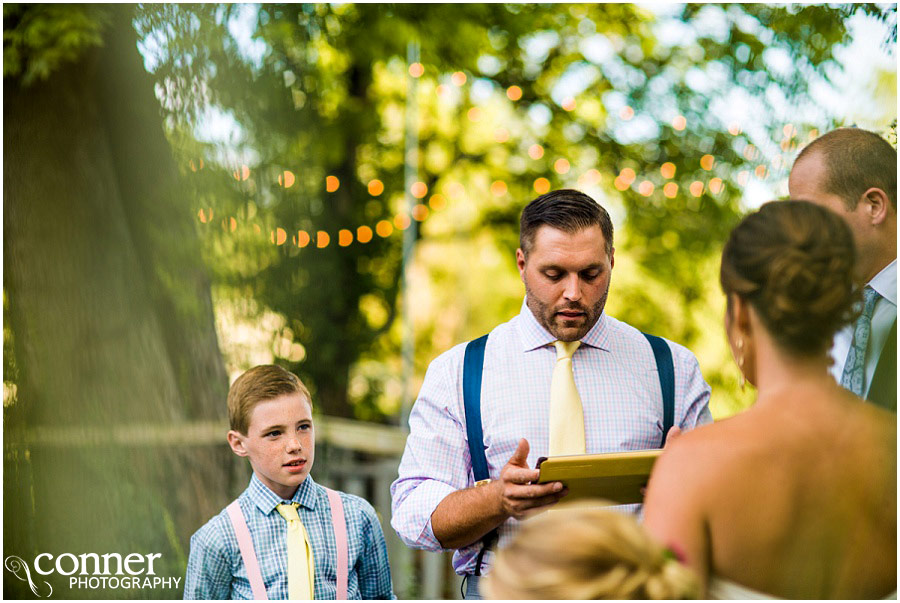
[(535, 336), (266, 500), (885, 282)]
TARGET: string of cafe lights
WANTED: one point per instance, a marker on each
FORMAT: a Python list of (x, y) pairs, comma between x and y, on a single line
[(624, 180)]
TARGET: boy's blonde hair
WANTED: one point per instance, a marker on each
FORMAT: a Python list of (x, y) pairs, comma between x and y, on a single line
[(581, 552), (260, 384)]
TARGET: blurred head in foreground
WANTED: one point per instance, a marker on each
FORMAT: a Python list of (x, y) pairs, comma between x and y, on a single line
[(580, 551)]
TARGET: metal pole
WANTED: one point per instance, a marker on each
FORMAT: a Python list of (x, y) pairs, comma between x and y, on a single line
[(410, 176)]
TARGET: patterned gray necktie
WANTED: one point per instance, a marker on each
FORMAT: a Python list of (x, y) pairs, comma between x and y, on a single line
[(855, 367)]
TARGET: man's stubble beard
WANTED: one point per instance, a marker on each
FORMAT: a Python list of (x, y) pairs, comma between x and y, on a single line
[(545, 316)]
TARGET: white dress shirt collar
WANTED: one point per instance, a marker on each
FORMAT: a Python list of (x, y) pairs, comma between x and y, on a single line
[(535, 336)]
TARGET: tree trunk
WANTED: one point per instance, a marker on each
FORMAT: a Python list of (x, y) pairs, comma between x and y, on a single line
[(112, 321)]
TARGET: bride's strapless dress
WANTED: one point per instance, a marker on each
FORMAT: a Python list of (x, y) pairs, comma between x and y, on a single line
[(720, 588)]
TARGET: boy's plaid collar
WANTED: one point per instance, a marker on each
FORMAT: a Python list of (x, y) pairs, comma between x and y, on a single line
[(306, 495)]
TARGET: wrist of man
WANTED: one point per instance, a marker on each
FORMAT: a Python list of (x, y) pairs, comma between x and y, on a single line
[(496, 507), (465, 516)]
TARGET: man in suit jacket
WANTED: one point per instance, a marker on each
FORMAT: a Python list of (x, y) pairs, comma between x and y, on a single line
[(853, 172)]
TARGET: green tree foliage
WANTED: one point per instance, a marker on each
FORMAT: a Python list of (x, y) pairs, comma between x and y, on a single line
[(39, 40), (109, 339), (628, 104)]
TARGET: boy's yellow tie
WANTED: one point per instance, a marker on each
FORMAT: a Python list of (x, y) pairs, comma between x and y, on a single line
[(566, 412), (301, 567)]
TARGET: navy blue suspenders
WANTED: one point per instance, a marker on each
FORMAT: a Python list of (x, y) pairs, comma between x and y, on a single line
[(666, 369), (473, 364), (472, 369)]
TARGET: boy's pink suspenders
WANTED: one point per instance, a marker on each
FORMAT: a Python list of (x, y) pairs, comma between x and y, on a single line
[(339, 525), (245, 543)]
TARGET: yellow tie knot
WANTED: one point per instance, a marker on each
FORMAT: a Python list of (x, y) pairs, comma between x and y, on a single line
[(565, 349), (289, 512)]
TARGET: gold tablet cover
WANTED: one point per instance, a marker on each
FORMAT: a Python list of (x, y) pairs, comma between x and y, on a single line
[(616, 476)]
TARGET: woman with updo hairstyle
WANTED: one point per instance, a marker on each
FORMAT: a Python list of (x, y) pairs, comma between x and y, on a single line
[(579, 551), (795, 497)]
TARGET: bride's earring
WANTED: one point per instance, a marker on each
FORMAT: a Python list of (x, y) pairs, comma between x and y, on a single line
[(740, 347)]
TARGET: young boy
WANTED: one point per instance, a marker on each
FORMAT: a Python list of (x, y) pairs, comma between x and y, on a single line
[(260, 546)]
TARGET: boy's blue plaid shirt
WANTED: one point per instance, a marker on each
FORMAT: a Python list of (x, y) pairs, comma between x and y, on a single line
[(216, 571)]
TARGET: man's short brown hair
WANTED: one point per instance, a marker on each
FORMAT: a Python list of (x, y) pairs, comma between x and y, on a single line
[(567, 210), (855, 161), (260, 384)]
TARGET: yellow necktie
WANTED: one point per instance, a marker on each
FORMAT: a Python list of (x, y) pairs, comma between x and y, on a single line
[(566, 412), (301, 567)]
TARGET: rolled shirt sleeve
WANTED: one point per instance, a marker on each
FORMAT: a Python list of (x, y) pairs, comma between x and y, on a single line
[(436, 461)]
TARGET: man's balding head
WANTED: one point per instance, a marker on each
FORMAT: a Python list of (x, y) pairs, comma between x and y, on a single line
[(851, 161), (853, 173)]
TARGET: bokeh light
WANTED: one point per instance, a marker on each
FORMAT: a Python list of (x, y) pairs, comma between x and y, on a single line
[(332, 184), (535, 151), (670, 190), (437, 202), (242, 173), (513, 93), (420, 212), (589, 178), (376, 187), (458, 78), (402, 221), (696, 188), (286, 179), (679, 123), (345, 237), (498, 188), (322, 239), (363, 234), (384, 228), (561, 166), (418, 189), (667, 170), (416, 70), (707, 162), (541, 186)]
